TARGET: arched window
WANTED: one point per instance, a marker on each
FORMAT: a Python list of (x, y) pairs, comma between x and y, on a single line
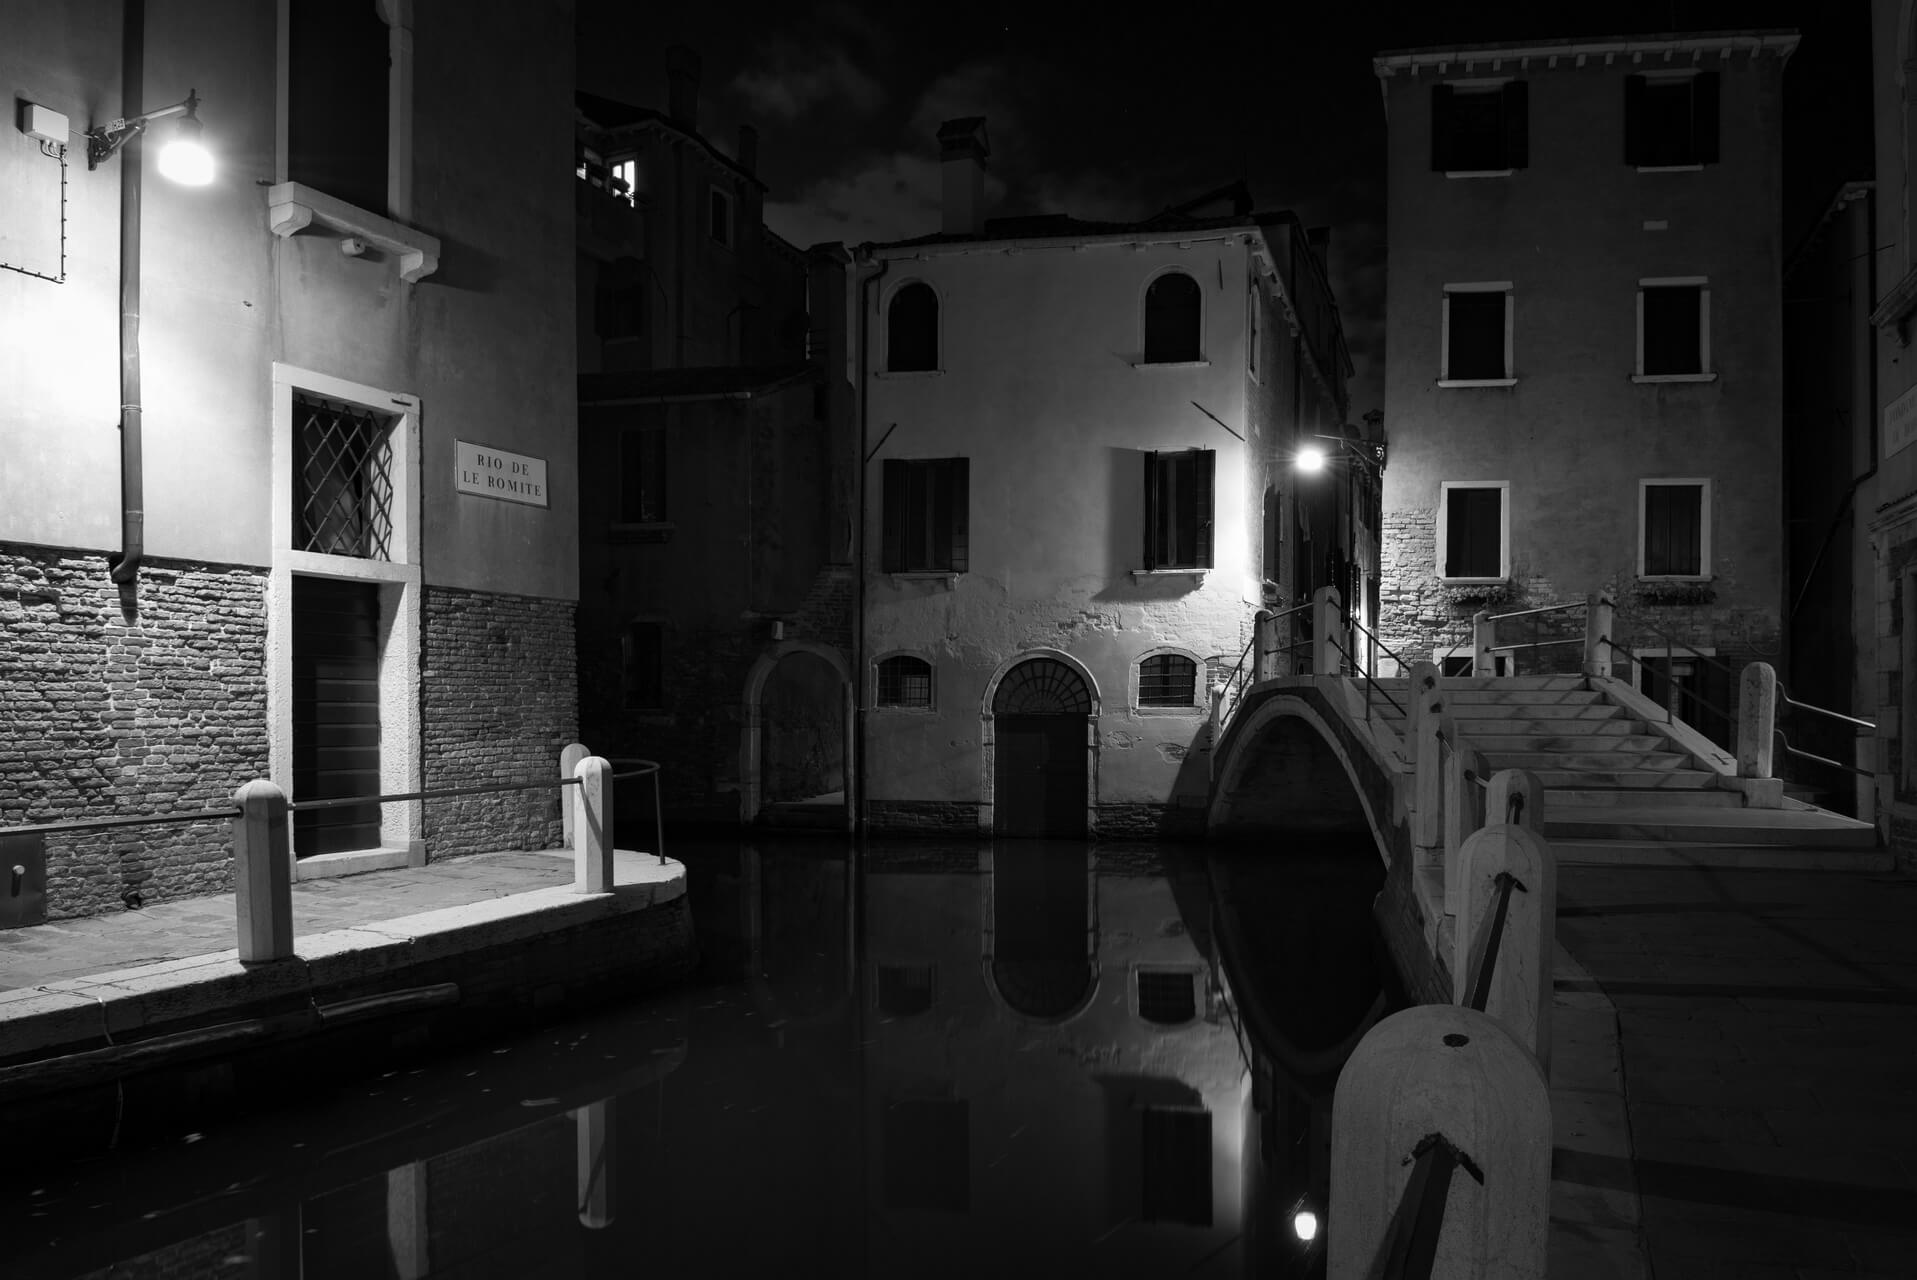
[(912, 330), (1171, 319), (905, 681), (1167, 680)]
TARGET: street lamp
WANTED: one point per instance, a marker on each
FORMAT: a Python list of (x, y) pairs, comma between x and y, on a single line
[(184, 158)]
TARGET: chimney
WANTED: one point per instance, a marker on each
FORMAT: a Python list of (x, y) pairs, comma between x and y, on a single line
[(748, 156), (962, 152), (1319, 238), (682, 85)]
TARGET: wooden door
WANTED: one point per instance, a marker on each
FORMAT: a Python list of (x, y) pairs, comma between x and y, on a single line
[(335, 712), (1039, 776)]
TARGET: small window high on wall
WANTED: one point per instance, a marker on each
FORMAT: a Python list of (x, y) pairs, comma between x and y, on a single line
[(1671, 120), (912, 330), (1173, 317)]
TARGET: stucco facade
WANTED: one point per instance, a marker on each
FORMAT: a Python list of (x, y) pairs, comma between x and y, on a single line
[(1579, 235), (447, 319), (1043, 390)]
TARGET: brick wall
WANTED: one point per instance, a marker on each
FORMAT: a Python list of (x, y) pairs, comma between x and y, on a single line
[(498, 703), (1150, 822), (115, 713), (906, 817)]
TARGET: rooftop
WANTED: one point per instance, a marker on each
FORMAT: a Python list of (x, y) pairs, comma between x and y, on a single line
[(1663, 47)]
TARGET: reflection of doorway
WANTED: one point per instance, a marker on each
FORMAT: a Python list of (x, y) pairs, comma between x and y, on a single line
[(1041, 938), (1040, 763)]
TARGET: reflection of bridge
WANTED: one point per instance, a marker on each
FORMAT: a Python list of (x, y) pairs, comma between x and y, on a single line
[(1406, 761)]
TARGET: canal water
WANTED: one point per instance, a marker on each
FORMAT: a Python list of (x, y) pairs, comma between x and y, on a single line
[(906, 1059)]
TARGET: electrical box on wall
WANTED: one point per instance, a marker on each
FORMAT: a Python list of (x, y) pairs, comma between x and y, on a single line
[(43, 123)]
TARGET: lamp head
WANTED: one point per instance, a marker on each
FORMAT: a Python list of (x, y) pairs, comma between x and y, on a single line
[(185, 158), (1311, 459)]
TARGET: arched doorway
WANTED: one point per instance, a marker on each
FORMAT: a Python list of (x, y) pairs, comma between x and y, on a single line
[(798, 718), (1041, 710)]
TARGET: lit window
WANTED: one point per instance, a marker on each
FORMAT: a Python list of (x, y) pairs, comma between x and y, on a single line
[(1167, 680), (905, 681), (912, 330), (625, 177), (1479, 128), (1178, 509), (1473, 532), (1475, 335), (1674, 537), (1173, 313), (1671, 121)]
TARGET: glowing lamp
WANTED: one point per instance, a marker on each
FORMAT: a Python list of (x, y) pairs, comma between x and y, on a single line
[(184, 158), (1311, 459), (1304, 1224)]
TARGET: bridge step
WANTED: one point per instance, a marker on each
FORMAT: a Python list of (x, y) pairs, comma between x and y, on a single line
[(1750, 857), (1582, 712), (1466, 684), (1802, 828), (1607, 744), (1587, 761), (1647, 797), (1673, 779), (1571, 697)]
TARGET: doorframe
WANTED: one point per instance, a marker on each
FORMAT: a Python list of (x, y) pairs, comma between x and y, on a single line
[(988, 739), (752, 724)]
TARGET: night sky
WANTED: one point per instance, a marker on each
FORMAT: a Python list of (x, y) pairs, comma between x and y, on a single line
[(1106, 116)]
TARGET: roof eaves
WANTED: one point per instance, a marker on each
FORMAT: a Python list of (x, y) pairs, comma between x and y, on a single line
[(1783, 42)]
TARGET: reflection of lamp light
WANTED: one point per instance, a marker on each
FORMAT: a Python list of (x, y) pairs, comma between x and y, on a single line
[(184, 158), (1304, 1224)]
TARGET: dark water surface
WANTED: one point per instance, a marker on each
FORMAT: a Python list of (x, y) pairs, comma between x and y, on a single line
[(917, 1059)]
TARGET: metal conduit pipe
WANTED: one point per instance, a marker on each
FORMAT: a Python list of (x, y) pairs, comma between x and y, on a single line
[(125, 567), (861, 332)]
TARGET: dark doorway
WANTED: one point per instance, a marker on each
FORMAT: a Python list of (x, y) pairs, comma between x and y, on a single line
[(1041, 927), (1039, 770), (335, 712)]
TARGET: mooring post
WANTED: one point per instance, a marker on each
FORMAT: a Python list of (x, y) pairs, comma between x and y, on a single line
[(1756, 719), (263, 873), (592, 855), (593, 1126), (569, 761), (1441, 1084)]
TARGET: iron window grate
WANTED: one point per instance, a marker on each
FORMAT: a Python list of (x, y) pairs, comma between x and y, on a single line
[(1167, 680), (905, 682), (905, 989), (342, 479), (1165, 996)]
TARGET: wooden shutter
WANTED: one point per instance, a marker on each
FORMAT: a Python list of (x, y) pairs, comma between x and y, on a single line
[(1441, 127), (958, 485), (1151, 509), (1517, 125), (1202, 465), (1704, 117), (1633, 120), (892, 558)]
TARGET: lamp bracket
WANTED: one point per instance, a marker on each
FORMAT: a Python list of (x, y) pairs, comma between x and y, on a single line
[(104, 140)]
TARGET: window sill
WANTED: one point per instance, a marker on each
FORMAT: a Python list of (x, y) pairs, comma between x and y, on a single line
[(1180, 711), (1477, 382), (1673, 377), (1670, 168), (1170, 364), (909, 373), (1479, 173), (291, 207), (900, 707), (1195, 572), (320, 866), (948, 576), (660, 531), (1474, 582)]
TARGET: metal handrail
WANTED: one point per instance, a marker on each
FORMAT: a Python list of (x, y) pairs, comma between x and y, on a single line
[(1784, 696), (443, 793), (1730, 716), (1286, 613), (1859, 770), (1533, 644), (1488, 959), (103, 824), (1370, 683), (1410, 1246), (1687, 647)]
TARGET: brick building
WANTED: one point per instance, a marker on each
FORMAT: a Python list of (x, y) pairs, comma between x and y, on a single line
[(1584, 329), (317, 522), (715, 619)]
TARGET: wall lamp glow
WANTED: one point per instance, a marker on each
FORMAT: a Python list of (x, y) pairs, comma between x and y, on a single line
[(1304, 1225), (1312, 458), (184, 158)]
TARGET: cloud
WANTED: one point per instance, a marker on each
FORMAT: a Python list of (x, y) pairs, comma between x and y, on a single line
[(889, 197), (796, 78)]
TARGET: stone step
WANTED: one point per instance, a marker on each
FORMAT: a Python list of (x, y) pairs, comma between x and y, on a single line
[(1452, 684), (1606, 744), (1586, 761), (1803, 828), (1627, 797), (1523, 697), (1748, 857), (1636, 779), (1581, 712)]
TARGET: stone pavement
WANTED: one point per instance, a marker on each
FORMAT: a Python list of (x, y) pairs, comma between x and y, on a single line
[(1734, 1074), (201, 926)]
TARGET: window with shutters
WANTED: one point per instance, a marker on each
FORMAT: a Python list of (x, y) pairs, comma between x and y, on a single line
[(1178, 505), (912, 330), (1671, 120), (926, 515), (1674, 529), (904, 681), (1474, 531), (642, 475), (1480, 128), (1475, 340), (1674, 330), (1174, 317)]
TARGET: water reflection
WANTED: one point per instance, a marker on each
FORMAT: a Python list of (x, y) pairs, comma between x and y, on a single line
[(917, 1059)]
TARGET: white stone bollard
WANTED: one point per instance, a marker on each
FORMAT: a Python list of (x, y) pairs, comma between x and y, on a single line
[(1600, 616), (1455, 1072), (593, 1124), (1463, 806), (1756, 718), (1484, 634), (1327, 620), (263, 873), (592, 822), (1520, 990), (1522, 786), (568, 762)]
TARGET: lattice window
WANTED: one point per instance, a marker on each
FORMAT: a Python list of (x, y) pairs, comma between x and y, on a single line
[(1167, 680), (1042, 687), (342, 479), (905, 682), (1165, 996)]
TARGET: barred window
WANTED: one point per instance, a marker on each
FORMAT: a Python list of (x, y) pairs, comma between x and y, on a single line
[(342, 479), (905, 989), (1167, 680), (905, 682), (1165, 996)]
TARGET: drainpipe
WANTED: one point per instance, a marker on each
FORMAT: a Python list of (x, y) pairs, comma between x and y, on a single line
[(863, 338), (125, 567)]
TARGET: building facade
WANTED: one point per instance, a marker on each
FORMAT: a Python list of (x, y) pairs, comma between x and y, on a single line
[(1077, 493), (715, 624), (1583, 322), (316, 522)]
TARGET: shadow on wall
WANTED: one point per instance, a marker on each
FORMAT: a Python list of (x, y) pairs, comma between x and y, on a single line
[(802, 751)]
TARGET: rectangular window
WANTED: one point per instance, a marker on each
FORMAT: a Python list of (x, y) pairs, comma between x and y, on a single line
[(1175, 1165), (1178, 509), (336, 100), (642, 666), (1480, 128), (1475, 338), (1166, 996), (719, 217), (926, 511), (1674, 328), (642, 475), (1674, 533), (1474, 532), (1671, 120), (342, 478)]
